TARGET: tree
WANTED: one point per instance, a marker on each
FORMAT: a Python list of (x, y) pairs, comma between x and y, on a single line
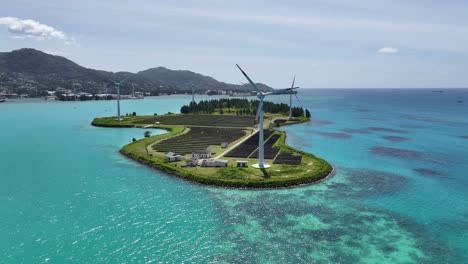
[(134, 114), (184, 109), (307, 113), (147, 134)]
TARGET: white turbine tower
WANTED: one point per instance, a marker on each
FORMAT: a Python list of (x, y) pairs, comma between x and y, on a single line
[(193, 93), (105, 86), (117, 86), (74, 89), (261, 95), (133, 90)]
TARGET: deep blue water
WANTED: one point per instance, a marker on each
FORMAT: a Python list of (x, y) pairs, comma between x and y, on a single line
[(398, 195)]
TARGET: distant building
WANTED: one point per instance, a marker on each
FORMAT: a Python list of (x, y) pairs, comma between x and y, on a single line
[(242, 163), (271, 124), (202, 155), (221, 163), (83, 94), (191, 162), (213, 163), (171, 157)]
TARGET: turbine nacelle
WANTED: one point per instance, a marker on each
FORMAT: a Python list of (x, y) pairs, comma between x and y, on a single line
[(118, 83)]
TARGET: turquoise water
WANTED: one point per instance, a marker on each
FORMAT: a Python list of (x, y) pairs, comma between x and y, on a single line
[(398, 196)]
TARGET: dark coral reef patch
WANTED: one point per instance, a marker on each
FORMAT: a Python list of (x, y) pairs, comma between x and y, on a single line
[(397, 153), (385, 129), (394, 138), (427, 172), (355, 131), (334, 135)]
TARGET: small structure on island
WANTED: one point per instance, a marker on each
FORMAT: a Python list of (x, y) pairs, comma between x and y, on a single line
[(192, 162), (213, 163), (201, 155), (271, 125), (171, 157), (242, 163), (224, 145)]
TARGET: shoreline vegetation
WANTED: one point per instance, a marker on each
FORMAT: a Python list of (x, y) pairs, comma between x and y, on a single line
[(187, 131)]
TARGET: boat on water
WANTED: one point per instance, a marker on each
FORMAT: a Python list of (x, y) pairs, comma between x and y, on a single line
[(2, 99)]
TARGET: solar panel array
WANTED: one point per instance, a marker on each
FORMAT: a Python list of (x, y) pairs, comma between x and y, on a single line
[(198, 139), (288, 159), (245, 149), (269, 151)]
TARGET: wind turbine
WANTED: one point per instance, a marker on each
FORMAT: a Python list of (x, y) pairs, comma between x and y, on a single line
[(117, 86), (133, 90), (193, 93), (291, 92), (105, 86), (261, 95), (74, 89)]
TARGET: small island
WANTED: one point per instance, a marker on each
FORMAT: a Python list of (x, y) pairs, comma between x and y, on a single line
[(213, 143)]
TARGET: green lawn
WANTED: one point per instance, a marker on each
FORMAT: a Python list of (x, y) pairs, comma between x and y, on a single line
[(200, 120)]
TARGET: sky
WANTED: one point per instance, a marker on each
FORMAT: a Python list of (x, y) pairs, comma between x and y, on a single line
[(325, 43)]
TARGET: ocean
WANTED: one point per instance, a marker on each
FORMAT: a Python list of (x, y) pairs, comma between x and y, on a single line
[(399, 193)]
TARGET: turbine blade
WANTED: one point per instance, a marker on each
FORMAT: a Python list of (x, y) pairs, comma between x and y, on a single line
[(248, 79), (294, 79), (297, 97), (258, 113)]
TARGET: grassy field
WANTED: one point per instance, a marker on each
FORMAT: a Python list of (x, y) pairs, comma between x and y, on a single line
[(200, 120), (310, 170)]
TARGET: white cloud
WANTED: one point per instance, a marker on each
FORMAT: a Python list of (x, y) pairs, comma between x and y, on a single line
[(28, 28), (388, 50), (57, 53)]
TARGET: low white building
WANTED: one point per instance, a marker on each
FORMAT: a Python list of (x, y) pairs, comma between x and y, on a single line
[(213, 163), (191, 162), (242, 163), (202, 155), (171, 157)]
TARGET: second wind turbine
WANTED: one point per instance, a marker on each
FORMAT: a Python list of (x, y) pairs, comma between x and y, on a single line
[(117, 86)]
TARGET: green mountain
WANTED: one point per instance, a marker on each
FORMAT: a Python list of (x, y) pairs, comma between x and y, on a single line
[(32, 72), (185, 80)]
